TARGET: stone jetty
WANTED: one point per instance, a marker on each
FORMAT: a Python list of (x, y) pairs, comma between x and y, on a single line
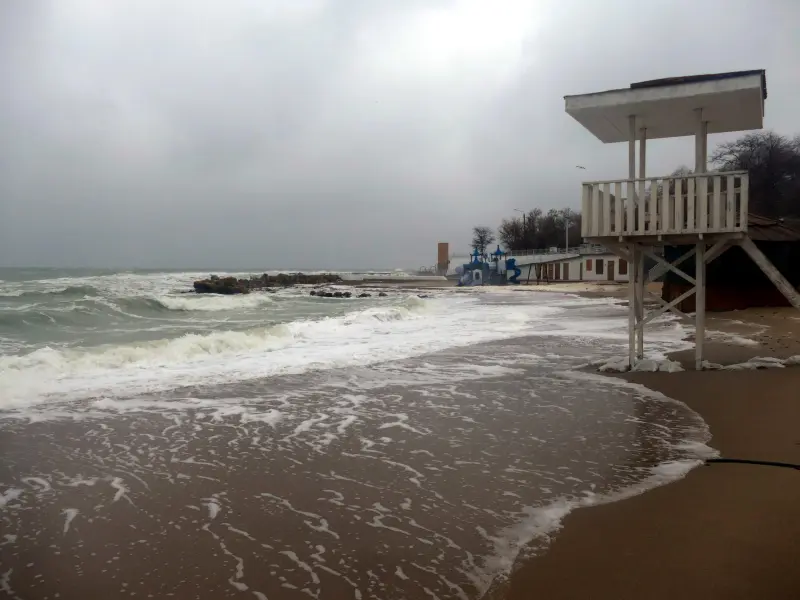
[(232, 285)]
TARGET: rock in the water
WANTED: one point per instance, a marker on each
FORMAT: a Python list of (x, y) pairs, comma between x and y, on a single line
[(365, 295), (312, 293), (217, 285), (382, 295), (231, 285)]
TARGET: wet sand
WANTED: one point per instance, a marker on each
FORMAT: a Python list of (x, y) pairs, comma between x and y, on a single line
[(413, 479), (726, 531), (395, 482)]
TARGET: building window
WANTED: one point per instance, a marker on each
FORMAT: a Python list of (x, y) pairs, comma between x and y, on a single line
[(558, 271), (599, 266), (588, 264), (623, 267)]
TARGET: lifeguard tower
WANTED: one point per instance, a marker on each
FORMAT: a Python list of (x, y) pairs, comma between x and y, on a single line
[(707, 210)]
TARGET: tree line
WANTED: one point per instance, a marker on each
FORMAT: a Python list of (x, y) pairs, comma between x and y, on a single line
[(772, 160), (535, 229)]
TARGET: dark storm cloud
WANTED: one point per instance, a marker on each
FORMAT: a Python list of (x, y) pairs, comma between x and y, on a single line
[(316, 133)]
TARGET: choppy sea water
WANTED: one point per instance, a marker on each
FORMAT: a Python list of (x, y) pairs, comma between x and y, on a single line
[(281, 446)]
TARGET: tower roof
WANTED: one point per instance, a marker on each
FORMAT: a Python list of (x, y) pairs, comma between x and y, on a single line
[(666, 107)]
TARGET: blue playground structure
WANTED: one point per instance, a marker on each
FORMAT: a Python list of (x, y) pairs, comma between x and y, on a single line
[(489, 270), (511, 265)]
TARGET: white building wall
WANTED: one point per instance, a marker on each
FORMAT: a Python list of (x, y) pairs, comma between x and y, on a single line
[(591, 274), (579, 270)]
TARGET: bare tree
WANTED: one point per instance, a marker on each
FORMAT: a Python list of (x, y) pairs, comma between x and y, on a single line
[(482, 238), (539, 230), (773, 162), (511, 232)]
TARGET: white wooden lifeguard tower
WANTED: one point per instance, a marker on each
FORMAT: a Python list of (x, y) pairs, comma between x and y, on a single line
[(709, 211)]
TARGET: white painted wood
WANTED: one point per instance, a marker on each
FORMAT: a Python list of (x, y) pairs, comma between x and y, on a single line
[(744, 204), (668, 306), (690, 212), (586, 210), (736, 104), (770, 271), (730, 203), (704, 138), (642, 152), (620, 250), (640, 302), (702, 204), (698, 141), (671, 266), (630, 201), (716, 250), (700, 305), (649, 209), (660, 268), (640, 207), (653, 226), (631, 148), (632, 305)]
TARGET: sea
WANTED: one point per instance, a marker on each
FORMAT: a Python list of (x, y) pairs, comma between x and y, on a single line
[(418, 444)]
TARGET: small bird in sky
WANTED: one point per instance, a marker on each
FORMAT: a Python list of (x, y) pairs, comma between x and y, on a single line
[(580, 167)]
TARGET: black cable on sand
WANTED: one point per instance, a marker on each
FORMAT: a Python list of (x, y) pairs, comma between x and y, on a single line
[(767, 463)]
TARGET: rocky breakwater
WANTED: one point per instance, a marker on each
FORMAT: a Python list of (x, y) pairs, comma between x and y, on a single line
[(233, 285), (340, 294)]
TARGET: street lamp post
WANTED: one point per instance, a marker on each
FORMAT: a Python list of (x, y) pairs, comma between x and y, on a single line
[(522, 212)]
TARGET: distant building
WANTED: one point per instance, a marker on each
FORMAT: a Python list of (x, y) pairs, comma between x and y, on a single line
[(443, 258), (592, 266)]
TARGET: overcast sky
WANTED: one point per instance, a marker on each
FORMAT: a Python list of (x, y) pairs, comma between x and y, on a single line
[(331, 133)]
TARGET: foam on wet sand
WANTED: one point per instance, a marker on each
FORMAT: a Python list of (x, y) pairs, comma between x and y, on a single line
[(424, 477)]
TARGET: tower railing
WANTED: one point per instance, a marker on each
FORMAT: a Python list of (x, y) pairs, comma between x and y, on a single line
[(714, 202)]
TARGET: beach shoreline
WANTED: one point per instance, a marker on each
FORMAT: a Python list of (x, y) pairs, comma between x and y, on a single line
[(724, 530), (520, 438), (427, 473)]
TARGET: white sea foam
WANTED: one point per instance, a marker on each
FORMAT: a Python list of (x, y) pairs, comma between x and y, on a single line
[(757, 362), (541, 522), (214, 303), (9, 496), (619, 364), (408, 328)]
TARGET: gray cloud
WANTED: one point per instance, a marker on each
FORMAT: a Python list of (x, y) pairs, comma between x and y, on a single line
[(317, 133)]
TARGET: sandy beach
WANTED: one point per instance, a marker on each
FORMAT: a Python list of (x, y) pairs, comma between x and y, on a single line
[(369, 486), (726, 531), (430, 476)]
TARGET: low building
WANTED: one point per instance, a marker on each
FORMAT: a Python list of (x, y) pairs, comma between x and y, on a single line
[(595, 266)]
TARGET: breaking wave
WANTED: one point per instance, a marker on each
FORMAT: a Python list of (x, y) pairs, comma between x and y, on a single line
[(74, 291), (212, 303), (312, 344)]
